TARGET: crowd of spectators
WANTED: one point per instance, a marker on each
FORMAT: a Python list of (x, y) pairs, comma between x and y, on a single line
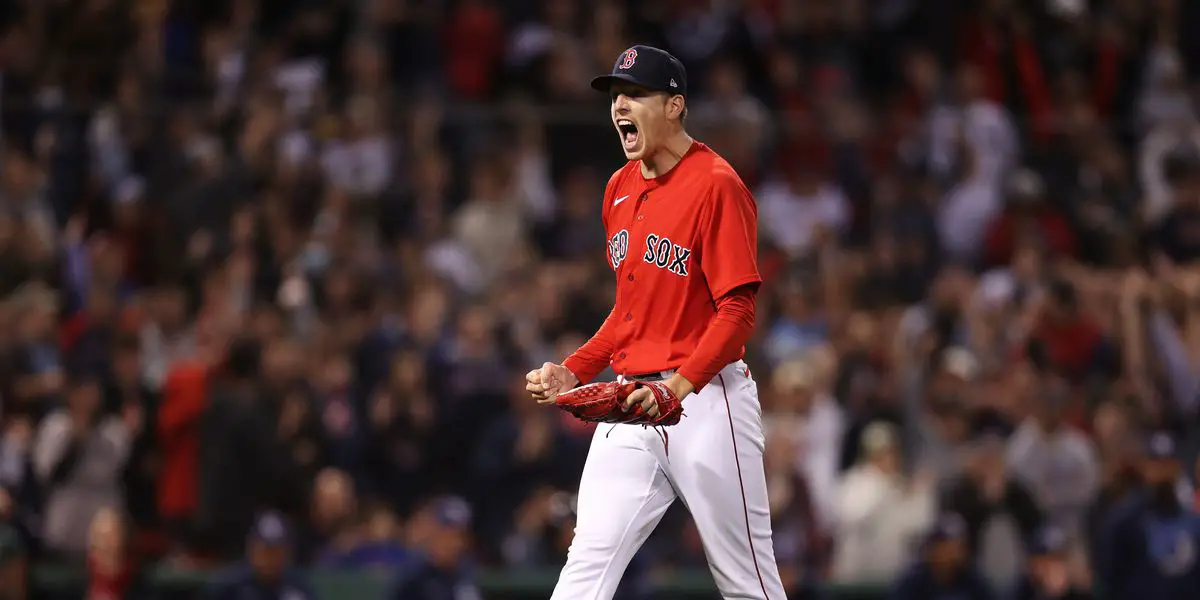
[(273, 270)]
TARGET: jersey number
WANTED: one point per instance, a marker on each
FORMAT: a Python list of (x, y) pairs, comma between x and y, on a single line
[(665, 254)]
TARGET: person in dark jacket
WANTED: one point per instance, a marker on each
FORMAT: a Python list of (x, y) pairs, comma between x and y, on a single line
[(243, 468), (443, 572), (520, 452), (944, 571), (1047, 574), (1123, 480), (986, 492), (1150, 547), (126, 394), (266, 574)]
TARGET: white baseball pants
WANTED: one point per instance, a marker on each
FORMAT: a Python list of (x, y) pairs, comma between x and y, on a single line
[(712, 460)]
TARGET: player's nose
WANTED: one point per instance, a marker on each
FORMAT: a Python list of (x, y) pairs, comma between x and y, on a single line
[(621, 104)]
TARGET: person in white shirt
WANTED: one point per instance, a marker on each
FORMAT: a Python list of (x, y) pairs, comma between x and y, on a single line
[(974, 123), (802, 404), (967, 209), (880, 512), (792, 211)]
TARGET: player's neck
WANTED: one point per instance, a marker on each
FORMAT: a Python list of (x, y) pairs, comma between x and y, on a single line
[(661, 161)]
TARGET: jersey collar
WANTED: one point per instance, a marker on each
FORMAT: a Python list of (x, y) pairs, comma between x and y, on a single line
[(665, 178)]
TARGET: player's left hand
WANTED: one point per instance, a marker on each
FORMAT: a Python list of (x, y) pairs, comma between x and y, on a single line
[(644, 397), (680, 386)]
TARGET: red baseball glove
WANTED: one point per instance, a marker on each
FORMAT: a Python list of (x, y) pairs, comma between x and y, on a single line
[(605, 403)]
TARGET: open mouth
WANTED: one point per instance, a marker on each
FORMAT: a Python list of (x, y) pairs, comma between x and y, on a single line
[(629, 133)]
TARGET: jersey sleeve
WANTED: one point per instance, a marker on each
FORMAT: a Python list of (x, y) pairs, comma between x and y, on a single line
[(729, 236)]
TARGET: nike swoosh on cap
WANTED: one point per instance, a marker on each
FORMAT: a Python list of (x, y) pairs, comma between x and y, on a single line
[(619, 200)]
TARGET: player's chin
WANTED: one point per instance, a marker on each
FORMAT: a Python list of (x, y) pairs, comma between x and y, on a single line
[(634, 152)]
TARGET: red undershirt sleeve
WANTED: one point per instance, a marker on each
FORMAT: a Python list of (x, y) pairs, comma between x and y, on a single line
[(727, 334), (594, 355)]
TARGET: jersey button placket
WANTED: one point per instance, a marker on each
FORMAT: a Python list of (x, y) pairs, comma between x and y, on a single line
[(639, 207), (635, 232)]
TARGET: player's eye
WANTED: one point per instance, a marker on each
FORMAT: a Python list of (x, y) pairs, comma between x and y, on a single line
[(630, 93)]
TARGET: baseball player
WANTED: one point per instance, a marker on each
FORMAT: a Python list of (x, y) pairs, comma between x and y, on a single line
[(686, 420)]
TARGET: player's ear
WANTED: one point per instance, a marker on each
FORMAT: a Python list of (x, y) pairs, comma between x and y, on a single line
[(676, 107)]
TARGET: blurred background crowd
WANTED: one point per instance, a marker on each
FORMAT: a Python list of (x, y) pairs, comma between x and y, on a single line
[(273, 270)]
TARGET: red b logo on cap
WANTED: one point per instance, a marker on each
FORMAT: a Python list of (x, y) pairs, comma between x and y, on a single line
[(628, 58)]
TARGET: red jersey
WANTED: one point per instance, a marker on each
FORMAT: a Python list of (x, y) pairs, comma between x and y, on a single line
[(184, 401), (677, 243)]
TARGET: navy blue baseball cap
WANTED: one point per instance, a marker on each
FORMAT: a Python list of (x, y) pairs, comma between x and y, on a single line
[(646, 66), (947, 527), (270, 529), (452, 511), (1048, 541), (1161, 446)]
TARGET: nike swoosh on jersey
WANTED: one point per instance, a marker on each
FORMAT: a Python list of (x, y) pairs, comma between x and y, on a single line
[(619, 200)]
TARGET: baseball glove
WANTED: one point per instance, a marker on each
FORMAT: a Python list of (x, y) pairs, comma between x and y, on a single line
[(605, 403)]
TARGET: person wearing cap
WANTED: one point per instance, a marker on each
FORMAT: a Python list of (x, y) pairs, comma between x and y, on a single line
[(880, 511), (267, 572), (943, 570), (443, 569), (682, 233), (1048, 574), (1149, 547)]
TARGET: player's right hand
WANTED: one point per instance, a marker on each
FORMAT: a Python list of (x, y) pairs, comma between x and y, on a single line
[(546, 383)]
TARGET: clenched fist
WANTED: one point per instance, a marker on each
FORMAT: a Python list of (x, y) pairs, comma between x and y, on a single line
[(546, 383)]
